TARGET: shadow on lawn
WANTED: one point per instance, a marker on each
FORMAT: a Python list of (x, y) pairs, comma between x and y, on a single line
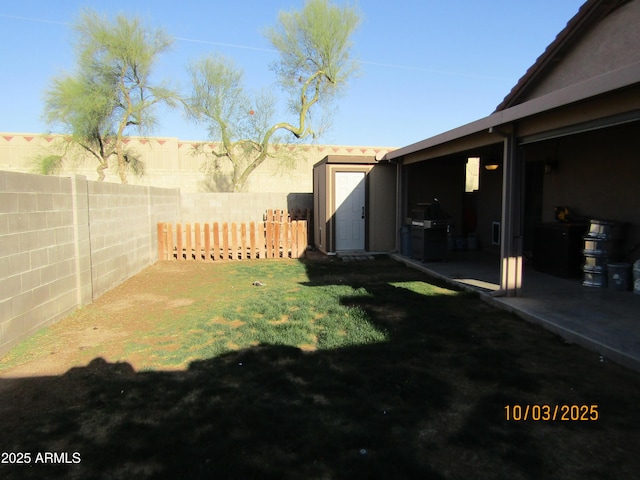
[(428, 403)]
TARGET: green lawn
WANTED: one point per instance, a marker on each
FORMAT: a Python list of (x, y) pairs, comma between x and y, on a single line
[(327, 370)]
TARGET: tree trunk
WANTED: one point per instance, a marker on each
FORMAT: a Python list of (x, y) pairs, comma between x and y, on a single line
[(122, 166), (122, 172), (101, 168), (239, 183)]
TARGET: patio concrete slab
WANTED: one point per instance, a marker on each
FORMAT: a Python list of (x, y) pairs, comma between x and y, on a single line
[(602, 320)]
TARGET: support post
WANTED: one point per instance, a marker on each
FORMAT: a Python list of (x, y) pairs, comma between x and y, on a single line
[(511, 231)]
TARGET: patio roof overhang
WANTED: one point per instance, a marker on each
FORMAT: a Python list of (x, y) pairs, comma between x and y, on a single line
[(606, 100), (558, 113)]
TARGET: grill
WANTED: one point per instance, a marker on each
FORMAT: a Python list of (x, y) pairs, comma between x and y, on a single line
[(430, 226)]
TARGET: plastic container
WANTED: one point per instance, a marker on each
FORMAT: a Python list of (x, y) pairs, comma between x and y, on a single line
[(595, 276), (601, 250), (619, 276), (636, 277), (605, 229), (451, 242), (472, 242), (405, 235), (600, 246)]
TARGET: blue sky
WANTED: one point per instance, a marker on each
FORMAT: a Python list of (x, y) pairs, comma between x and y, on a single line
[(426, 66)]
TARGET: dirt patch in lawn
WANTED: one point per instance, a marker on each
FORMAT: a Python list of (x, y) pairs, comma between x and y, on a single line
[(101, 328), (356, 371), (227, 323)]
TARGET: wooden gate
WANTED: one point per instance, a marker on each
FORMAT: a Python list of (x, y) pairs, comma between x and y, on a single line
[(232, 241)]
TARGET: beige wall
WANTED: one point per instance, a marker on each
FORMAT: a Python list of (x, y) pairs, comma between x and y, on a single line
[(238, 207), (382, 208), (611, 44), (172, 163)]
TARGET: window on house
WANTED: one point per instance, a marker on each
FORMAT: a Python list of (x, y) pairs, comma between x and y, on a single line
[(472, 174)]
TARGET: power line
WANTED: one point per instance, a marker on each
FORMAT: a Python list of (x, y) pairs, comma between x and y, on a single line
[(39, 20), (208, 42), (429, 70), (269, 50)]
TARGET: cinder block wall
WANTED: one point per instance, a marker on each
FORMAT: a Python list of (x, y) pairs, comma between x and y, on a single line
[(38, 251), (122, 231), (164, 207), (65, 241), (238, 207)]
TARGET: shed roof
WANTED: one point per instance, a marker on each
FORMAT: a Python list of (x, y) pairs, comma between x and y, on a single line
[(348, 159)]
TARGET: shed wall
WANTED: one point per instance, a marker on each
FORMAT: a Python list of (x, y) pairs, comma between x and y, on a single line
[(380, 202), (382, 208), (320, 199)]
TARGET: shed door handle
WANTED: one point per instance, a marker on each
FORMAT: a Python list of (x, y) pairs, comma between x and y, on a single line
[(362, 212)]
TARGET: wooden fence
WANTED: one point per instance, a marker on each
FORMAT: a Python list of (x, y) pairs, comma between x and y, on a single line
[(277, 215), (232, 241)]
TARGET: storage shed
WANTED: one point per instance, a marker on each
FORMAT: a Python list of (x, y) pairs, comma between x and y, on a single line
[(354, 204)]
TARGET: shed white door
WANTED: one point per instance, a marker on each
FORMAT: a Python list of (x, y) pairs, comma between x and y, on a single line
[(349, 216)]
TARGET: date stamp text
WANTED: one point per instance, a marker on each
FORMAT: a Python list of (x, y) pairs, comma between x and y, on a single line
[(551, 413), (28, 458)]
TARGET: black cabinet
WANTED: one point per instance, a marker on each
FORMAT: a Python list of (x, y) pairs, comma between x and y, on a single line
[(557, 248), (429, 244)]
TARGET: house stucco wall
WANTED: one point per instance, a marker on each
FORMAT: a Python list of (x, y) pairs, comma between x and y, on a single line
[(443, 179), (597, 176), (489, 207), (609, 45)]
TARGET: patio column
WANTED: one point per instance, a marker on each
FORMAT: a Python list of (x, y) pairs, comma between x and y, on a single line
[(511, 231), (401, 202)]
